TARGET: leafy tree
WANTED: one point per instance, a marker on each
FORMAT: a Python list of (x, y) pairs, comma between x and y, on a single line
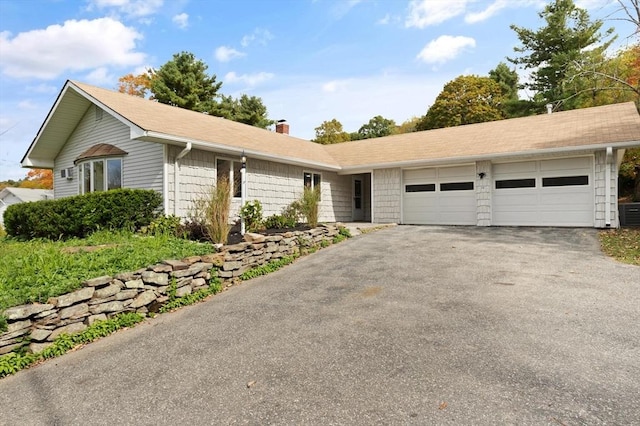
[(330, 132), (247, 110), (183, 81), (550, 50), (135, 85), (38, 178), (377, 127), (507, 79), (409, 125), (465, 100), (355, 136)]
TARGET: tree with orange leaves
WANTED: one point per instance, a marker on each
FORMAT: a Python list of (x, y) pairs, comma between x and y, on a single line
[(135, 85), (38, 178)]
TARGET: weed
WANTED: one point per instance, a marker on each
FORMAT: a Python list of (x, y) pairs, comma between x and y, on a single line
[(309, 205), (251, 212), (267, 268)]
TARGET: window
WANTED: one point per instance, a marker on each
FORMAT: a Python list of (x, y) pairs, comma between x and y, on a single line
[(313, 181), (230, 170), (565, 181), (427, 187), (100, 174), (456, 186), (516, 183)]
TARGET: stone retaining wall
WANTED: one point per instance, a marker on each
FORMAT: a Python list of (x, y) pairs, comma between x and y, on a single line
[(147, 290)]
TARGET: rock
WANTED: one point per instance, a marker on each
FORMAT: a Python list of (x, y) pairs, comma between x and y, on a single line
[(254, 238), (198, 282), (126, 294), (150, 277), (95, 318), (230, 266), (45, 314), (161, 268), (9, 348), (74, 311), (115, 306), (184, 281), (39, 347), (17, 333), (25, 311), (107, 291), (237, 247), (183, 291), (97, 282), (73, 328), (39, 334), (273, 238), (74, 297), (191, 259), (143, 299), (176, 265), (134, 284), (99, 301), (18, 325), (216, 259), (126, 276), (225, 274)]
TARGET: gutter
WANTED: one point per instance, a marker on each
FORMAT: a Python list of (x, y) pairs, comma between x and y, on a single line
[(607, 187), (176, 175)]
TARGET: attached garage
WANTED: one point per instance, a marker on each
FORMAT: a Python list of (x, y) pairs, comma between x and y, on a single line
[(440, 196), (557, 192)]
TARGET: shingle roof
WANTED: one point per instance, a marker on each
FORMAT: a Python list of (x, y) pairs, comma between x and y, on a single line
[(605, 125), (100, 150), (615, 125), (183, 123)]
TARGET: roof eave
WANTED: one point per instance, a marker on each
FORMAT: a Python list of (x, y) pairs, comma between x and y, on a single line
[(362, 168), (157, 137)]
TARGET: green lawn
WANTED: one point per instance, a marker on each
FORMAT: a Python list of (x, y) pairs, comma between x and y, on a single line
[(35, 270), (622, 244)]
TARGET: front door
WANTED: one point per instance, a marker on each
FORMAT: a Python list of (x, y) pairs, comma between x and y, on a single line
[(358, 212)]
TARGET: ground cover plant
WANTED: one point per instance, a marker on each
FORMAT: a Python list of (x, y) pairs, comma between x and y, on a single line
[(33, 271), (622, 244)]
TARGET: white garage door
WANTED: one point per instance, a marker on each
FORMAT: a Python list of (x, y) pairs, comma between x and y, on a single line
[(440, 196), (544, 193)]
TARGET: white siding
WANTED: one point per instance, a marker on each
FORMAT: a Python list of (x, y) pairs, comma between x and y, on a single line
[(387, 195), (483, 192), (600, 189), (197, 175), (141, 168)]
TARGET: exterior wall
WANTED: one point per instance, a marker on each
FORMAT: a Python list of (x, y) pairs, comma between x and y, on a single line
[(277, 185), (600, 185), (141, 168), (387, 195), (483, 192), (197, 174), (6, 202)]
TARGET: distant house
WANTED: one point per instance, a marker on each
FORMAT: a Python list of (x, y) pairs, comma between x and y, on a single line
[(555, 169), (9, 196)]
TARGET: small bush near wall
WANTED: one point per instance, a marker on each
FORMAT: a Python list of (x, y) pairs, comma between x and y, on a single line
[(80, 215)]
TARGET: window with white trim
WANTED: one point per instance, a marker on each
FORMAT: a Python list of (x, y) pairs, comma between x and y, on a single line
[(99, 175), (313, 181), (230, 170)]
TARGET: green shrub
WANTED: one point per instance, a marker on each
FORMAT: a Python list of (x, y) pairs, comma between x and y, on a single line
[(81, 215), (309, 205), (251, 212), (3, 324), (267, 268), (164, 225)]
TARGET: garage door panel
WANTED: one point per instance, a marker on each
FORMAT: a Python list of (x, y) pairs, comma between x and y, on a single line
[(570, 205), (446, 174)]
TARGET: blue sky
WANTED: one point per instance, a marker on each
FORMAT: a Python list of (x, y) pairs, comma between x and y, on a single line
[(309, 60)]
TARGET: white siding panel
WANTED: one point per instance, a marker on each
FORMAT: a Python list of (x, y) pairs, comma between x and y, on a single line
[(387, 195), (141, 168)]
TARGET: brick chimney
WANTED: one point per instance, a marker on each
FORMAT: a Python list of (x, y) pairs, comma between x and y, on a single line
[(282, 127)]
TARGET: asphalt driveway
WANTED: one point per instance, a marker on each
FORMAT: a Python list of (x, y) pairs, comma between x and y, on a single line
[(407, 325)]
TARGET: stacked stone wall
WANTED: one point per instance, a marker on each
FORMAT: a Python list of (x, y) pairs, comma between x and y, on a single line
[(146, 290)]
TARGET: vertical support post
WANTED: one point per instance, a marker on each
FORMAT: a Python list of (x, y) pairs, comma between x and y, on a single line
[(243, 189)]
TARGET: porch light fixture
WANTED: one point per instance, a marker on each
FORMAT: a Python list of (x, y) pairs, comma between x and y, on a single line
[(482, 175), (243, 159)]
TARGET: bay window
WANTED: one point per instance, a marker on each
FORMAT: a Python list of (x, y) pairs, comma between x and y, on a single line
[(99, 175)]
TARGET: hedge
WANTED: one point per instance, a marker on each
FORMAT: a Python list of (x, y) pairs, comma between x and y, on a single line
[(81, 215)]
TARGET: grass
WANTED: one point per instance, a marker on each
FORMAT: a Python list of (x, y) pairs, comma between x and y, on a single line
[(35, 270), (622, 244)]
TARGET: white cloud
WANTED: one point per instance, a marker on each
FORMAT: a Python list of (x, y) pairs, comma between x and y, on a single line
[(385, 20), (225, 54), (341, 8), (99, 77), (248, 79), (334, 86), (133, 8), (27, 104), (492, 9), (445, 48), (181, 20), (47, 89), (259, 35), (74, 46), (423, 13)]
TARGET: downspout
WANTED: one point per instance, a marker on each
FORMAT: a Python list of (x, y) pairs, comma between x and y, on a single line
[(607, 188), (176, 182)]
